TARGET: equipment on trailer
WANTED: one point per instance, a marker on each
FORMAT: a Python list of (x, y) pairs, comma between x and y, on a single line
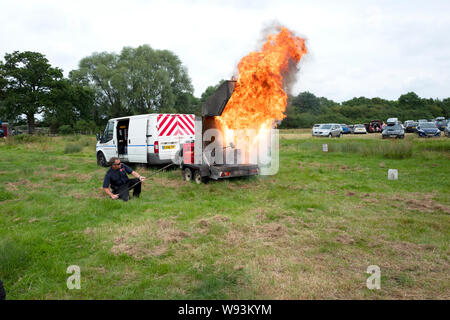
[(191, 157)]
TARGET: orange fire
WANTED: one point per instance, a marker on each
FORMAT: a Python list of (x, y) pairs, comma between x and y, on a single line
[(259, 99)]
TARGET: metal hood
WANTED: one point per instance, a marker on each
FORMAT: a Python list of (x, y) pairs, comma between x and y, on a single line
[(215, 104)]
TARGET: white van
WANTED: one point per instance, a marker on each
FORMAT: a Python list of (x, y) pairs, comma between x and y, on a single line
[(146, 138)]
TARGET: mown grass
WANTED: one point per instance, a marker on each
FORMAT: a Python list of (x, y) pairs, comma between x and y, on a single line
[(310, 231)]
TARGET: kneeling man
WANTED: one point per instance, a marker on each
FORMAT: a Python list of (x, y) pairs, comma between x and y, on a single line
[(117, 178)]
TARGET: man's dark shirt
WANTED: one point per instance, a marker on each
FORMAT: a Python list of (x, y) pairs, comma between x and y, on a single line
[(117, 178)]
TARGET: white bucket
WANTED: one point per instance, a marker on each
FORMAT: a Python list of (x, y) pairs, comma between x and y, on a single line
[(325, 147), (393, 174)]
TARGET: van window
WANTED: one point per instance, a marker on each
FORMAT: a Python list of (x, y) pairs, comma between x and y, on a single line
[(108, 134)]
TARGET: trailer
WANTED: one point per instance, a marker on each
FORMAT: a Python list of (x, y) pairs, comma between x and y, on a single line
[(192, 158), (146, 139)]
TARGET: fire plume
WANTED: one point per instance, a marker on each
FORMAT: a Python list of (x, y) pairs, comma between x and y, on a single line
[(259, 98)]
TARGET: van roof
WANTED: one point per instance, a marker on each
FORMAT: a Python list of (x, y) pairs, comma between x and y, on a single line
[(145, 115)]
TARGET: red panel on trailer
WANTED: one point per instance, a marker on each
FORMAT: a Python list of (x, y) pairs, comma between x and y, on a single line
[(188, 153)]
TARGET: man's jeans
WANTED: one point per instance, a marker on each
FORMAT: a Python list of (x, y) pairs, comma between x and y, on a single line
[(122, 191)]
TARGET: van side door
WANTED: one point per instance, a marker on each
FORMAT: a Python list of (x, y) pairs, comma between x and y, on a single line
[(137, 140)]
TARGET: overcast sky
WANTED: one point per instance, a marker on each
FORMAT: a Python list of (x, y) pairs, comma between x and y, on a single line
[(356, 48)]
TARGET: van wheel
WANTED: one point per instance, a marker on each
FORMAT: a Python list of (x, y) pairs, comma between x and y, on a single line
[(340, 135), (187, 174), (101, 161), (329, 136)]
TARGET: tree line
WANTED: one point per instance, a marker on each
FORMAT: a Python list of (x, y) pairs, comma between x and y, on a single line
[(305, 110), (144, 80)]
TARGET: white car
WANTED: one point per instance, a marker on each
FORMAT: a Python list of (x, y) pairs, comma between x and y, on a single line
[(315, 127), (328, 130), (359, 129)]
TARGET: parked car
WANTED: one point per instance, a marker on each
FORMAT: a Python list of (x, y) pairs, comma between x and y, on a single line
[(316, 126), (411, 126), (351, 127), (345, 129), (374, 126), (441, 123), (428, 129), (359, 129), (393, 130), (328, 130), (447, 131)]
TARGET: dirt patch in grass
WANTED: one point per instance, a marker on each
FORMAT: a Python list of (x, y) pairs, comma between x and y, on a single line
[(171, 183), (344, 239), (203, 223), (83, 176), (62, 175), (426, 205), (417, 201), (272, 231), (151, 238), (413, 201), (403, 247), (14, 186), (220, 218)]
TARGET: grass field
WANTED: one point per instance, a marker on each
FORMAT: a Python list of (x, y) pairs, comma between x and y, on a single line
[(309, 232)]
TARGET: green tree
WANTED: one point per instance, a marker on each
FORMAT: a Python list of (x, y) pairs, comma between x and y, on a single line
[(101, 71), (3, 83), (69, 103), (210, 91), (445, 106), (411, 101), (139, 80), (306, 102), (29, 81), (84, 126)]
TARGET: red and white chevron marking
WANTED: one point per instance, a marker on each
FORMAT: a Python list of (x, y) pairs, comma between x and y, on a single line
[(176, 124)]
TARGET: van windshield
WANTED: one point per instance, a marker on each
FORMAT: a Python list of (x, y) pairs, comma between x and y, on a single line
[(325, 126)]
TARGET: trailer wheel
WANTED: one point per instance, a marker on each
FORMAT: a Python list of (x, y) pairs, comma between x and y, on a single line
[(187, 174), (197, 177)]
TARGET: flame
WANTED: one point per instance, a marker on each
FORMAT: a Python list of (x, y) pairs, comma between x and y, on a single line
[(259, 99)]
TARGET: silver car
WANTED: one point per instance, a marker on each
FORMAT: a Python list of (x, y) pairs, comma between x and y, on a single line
[(328, 130), (393, 130), (316, 126)]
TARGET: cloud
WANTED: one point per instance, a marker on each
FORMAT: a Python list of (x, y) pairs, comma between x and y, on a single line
[(381, 49)]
